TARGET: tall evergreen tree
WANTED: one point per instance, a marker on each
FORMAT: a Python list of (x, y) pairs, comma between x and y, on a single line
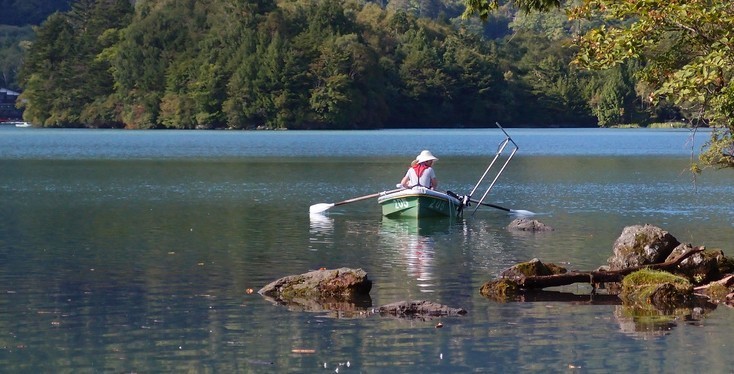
[(43, 75), (30, 12), (64, 82), (13, 43)]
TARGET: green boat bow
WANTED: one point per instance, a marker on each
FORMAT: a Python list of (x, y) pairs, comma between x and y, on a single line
[(420, 202)]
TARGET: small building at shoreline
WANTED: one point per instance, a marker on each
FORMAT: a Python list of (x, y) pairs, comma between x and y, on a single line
[(8, 111)]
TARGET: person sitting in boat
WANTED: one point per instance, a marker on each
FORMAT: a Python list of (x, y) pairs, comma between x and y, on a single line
[(421, 172)]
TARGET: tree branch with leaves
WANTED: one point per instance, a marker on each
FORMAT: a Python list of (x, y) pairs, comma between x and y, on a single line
[(686, 48)]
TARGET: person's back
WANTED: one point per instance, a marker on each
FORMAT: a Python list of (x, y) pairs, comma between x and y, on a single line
[(421, 172)]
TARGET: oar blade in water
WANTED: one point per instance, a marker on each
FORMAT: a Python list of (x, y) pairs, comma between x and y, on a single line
[(319, 208), (524, 213)]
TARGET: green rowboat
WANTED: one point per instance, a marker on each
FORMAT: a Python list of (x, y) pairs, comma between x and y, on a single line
[(419, 202)]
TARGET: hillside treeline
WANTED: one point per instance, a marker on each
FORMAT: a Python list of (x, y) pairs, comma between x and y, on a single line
[(29, 12), (304, 64)]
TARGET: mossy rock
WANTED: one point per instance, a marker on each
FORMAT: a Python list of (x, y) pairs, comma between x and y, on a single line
[(640, 245), (703, 267), (532, 268), (726, 265), (661, 289), (500, 290), (343, 283)]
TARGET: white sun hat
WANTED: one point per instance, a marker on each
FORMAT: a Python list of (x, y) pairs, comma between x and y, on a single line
[(426, 156)]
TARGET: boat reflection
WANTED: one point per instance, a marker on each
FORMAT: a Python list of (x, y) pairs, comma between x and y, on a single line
[(423, 227), (321, 229), (415, 241)]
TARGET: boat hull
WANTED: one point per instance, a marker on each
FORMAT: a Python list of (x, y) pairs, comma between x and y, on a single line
[(419, 202)]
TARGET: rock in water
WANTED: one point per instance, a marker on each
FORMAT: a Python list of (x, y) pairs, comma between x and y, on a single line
[(524, 224), (341, 283), (641, 245), (419, 308)]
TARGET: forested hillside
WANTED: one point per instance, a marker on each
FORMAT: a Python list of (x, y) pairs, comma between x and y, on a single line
[(16, 19), (13, 40), (29, 12), (312, 64)]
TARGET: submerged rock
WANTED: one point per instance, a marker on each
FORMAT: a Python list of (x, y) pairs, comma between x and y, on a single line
[(419, 309), (524, 224)]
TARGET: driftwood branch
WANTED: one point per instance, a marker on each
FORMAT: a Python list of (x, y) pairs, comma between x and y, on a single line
[(593, 277), (725, 282)]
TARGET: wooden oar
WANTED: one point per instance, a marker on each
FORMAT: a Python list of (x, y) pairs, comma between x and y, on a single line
[(322, 207), (511, 211)]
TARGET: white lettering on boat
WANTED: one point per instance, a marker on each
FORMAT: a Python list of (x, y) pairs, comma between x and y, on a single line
[(437, 204), (401, 204)]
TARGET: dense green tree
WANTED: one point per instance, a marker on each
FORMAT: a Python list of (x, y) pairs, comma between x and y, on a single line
[(473, 66), (281, 75), (96, 24), (557, 88), (484, 8), (298, 64), (64, 82), (553, 24), (420, 8), (161, 33), (609, 109), (686, 47), (238, 34), (331, 96), (30, 12), (13, 42), (427, 85), (544, 88), (43, 74)]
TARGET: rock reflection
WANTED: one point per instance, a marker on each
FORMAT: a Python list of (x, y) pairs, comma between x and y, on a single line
[(639, 321), (556, 296), (356, 307), (649, 322)]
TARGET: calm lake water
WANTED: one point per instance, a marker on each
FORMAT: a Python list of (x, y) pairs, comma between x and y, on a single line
[(131, 251)]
